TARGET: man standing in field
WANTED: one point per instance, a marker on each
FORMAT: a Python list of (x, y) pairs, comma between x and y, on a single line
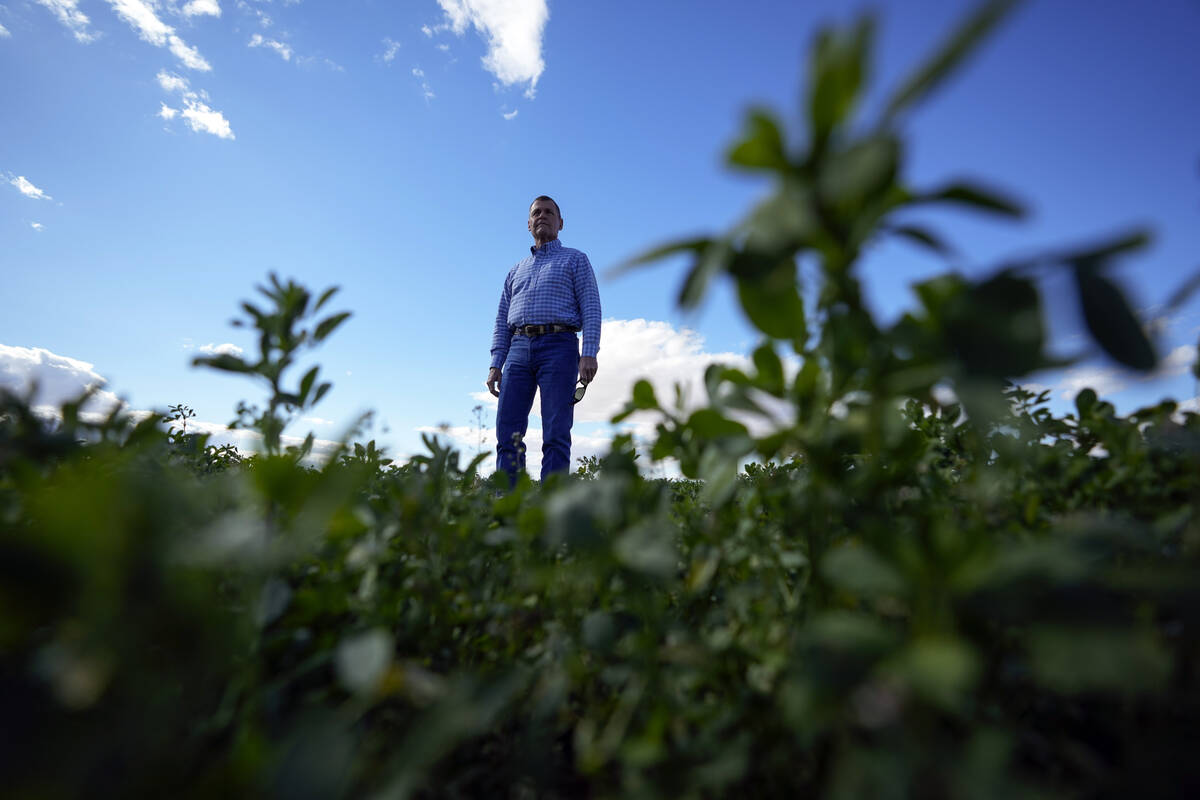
[(547, 298)]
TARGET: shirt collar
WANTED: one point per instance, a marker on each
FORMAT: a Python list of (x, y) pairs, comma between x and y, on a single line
[(548, 247)]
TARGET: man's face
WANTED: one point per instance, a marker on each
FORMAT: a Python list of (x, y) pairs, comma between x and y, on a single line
[(544, 221)]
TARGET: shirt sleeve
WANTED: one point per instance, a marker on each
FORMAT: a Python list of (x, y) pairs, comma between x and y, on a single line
[(588, 297), (501, 337)]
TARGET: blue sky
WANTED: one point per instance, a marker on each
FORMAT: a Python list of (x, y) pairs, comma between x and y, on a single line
[(158, 159)]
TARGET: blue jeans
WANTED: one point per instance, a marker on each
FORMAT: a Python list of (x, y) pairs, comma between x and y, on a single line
[(549, 363)]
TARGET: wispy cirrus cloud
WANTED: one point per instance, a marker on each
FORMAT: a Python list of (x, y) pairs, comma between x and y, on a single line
[(199, 115), (283, 49), (391, 47), (69, 15), (264, 19), (37, 226), (512, 30), (509, 114), (426, 89), (25, 187), (4, 34), (140, 15)]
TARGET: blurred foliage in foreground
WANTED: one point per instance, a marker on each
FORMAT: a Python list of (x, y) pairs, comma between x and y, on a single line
[(896, 600)]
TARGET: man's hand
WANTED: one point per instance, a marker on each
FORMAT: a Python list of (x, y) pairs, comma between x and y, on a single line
[(493, 381), (587, 369)]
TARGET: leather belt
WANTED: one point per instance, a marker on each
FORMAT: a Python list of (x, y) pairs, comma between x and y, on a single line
[(539, 330)]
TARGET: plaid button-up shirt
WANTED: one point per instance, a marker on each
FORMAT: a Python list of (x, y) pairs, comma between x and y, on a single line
[(555, 284)]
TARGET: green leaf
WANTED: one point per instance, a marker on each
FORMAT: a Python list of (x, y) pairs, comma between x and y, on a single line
[(1097, 257), (328, 325), (328, 293), (773, 303), (848, 631), (975, 197), (695, 245), (960, 44), (254, 312), (718, 470), (648, 547), (1074, 660), (306, 383), (942, 670), (1085, 401), (224, 361), (708, 263), (762, 147), (861, 175), (1112, 321), (770, 369), (710, 424), (321, 390), (924, 238), (643, 396), (1181, 295), (837, 70), (784, 222), (996, 327), (860, 570)]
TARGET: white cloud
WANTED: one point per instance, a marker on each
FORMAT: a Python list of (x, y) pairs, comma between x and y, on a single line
[(4, 34), (284, 51), (28, 189), (58, 379), (203, 119), (1107, 381), (37, 226), (426, 89), (316, 421), (197, 8), (227, 348), (68, 14), (513, 32), (428, 31), (170, 82), (200, 117), (139, 15), (1176, 362), (189, 56), (392, 46), (445, 48), (510, 115)]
